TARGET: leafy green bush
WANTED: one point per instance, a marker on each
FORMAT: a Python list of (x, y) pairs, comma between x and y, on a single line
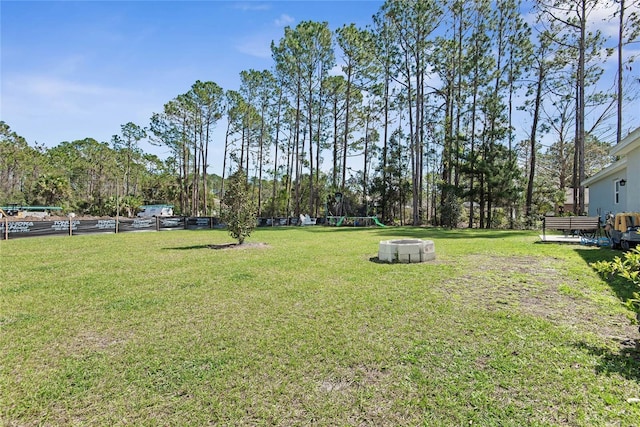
[(627, 268)]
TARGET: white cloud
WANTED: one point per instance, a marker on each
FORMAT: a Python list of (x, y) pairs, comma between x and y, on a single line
[(38, 94), (251, 6), (258, 45), (69, 65), (337, 69), (284, 20), (51, 87), (50, 110), (602, 18)]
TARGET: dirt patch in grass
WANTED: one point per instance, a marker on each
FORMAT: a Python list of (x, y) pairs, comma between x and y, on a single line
[(232, 246), (539, 287), (358, 377), (90, 341)]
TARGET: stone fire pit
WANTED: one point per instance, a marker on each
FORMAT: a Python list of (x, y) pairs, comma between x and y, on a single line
[(406, 250)]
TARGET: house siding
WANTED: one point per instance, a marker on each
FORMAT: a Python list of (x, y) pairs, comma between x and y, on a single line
[(603, 198), (602, 185), (632, 189)]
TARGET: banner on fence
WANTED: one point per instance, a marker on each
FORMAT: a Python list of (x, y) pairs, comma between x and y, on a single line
[(37, 228), (199, 223), (171, 223), (136, 224), (18, 229), (93, 226)]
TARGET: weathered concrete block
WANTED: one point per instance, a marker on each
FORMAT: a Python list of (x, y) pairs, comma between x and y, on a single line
[(406, 250)]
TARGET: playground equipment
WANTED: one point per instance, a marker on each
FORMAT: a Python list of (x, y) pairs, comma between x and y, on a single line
[(377, 221), (356, 221)]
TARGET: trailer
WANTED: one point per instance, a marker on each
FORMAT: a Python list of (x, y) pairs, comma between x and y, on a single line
[(21, 211)]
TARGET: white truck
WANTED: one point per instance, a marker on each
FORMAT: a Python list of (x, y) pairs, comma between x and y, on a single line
[(152, 211)]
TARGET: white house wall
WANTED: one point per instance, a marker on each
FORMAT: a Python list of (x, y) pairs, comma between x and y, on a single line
[(603, 198), (602, 185), (632, 188)]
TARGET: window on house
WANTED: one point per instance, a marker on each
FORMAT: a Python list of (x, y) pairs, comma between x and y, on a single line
[(616, 192)]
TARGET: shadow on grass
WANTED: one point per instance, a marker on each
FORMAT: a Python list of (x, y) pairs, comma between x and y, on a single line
[(623, 288), (223, 246), (454, 234), (625, 363), (427, 232), (187, 248)]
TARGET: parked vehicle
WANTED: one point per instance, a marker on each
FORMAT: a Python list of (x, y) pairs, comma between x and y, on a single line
[(623, 230), (152, 211)]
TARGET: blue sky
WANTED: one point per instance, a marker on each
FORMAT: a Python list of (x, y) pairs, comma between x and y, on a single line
[(71, 70), (76, 69)]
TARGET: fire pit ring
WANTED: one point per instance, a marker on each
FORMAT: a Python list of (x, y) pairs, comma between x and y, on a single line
[(406, 251)]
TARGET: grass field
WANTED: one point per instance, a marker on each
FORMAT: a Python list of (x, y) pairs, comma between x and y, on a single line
[(160, 329)]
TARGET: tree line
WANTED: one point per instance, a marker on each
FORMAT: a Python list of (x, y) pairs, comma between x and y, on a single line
[(412, 119)]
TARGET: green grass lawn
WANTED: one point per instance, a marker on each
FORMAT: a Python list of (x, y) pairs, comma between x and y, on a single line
[(159, 329)]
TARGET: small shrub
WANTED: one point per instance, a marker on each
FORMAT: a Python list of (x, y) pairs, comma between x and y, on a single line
[(238, 210), (627, 268)]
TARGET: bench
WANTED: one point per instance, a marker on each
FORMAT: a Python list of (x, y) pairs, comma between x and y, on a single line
[(586, 226)]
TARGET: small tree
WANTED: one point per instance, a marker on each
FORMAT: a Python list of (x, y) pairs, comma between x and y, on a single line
[(451, 208), (238, 209)]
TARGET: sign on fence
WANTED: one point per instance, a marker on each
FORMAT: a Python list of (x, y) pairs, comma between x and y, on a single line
[(37, 228), (92, 226), (18, 229), (171, 223), (198, 223), (137, 224)]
